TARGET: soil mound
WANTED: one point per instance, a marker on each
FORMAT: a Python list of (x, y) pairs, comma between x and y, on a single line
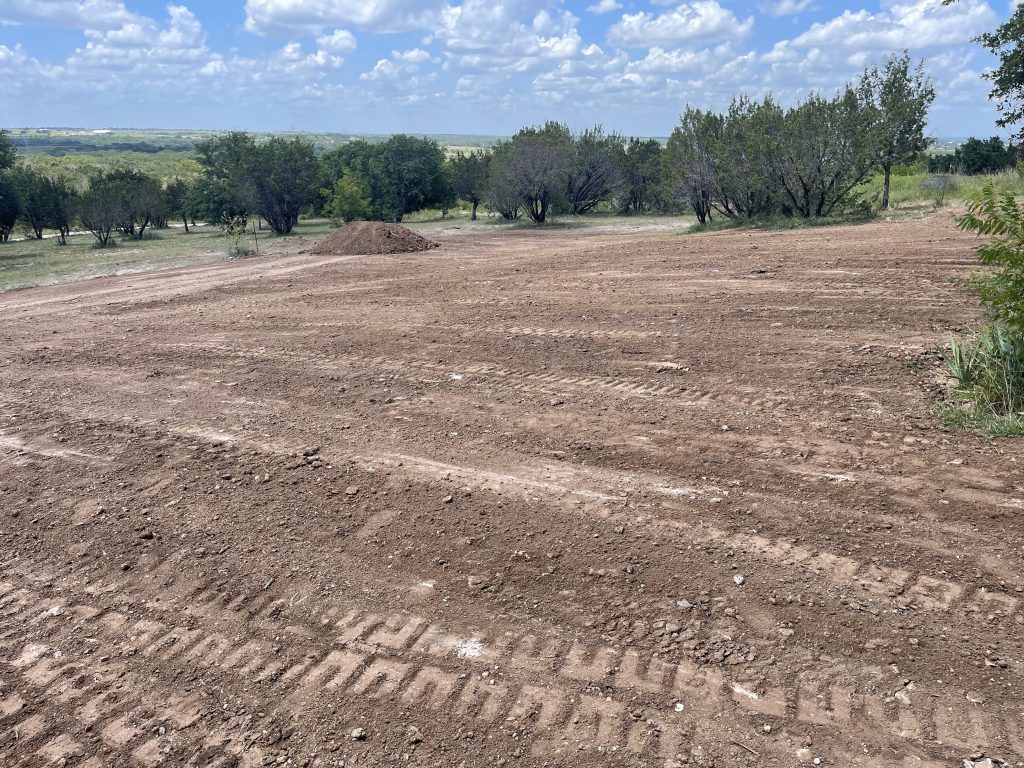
[(365, 237)]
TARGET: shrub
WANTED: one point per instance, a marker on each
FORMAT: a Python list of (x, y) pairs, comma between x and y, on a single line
[(999, 216)]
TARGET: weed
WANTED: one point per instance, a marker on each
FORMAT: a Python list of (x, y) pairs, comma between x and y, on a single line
[(988, 370)]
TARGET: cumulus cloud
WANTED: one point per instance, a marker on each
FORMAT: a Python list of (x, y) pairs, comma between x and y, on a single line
[(704, 20), (604, 6), (287, 18), (917, 24), (339, 41), (787, 7), (74, 14)]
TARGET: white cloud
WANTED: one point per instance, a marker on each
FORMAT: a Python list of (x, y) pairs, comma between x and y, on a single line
[(286, 18), (604, 6), (339, 41), (787, 7), (916, 24), (485, 35), (703, 20), (76, 14)]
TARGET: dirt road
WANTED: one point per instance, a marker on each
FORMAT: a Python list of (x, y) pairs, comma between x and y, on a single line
[(540, 498)]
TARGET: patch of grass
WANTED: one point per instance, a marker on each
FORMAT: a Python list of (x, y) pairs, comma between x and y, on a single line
[(964, 417), (25, 263), (915, 189), (988, 371), (722, 223)]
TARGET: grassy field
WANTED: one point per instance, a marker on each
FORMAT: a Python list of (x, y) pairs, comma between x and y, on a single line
[(30, 262)]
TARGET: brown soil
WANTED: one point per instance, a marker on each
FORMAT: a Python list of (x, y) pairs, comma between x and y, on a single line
[(541, 498), (372, 237)]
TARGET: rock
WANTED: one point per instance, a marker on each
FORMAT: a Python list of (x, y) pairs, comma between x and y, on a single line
[(126, 566), (352, 490), (739, 580), (726, 428), (359, 734), (415, 737), (146, 535), (448, 499), (685, 605), (975, 698)]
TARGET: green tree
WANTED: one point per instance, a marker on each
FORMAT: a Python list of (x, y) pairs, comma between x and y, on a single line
[(901, 95), (38, 198), (64, 207), (180, 200), (469, 176), (823, 150), (406, 175), (141, 200), (227, 185), (689, 161), (642, 166), (534, 170), (286, 179), (101, 208), (10, 207), (350, 198), (1007, 44), (8, 154), (595, 169)]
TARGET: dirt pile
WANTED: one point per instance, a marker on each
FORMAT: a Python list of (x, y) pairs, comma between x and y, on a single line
[(364, 237)]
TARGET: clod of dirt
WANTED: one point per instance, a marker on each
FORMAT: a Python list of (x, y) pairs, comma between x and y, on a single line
[(370, 237)]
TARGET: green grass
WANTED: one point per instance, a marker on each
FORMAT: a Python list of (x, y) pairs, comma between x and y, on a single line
[(721, 223), (912, 190), (25, 263), (30, 262), (988, 372), (963, 417)]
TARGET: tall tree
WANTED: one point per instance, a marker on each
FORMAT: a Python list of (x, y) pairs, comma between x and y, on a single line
[(469, 175), (10, 207), (1007, 43), (286, 179), (141, 200), (594, 169), (8, 154), (689, 161), (901, 95), (641, 175), (101, 208), (37, 194)]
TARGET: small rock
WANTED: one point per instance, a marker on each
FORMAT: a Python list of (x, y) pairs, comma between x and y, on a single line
[(359, 734), (352, 490), (448, 499), (975, 698), (126, 566), (726, 428), (685, 605), (766, 728), (738, 579)]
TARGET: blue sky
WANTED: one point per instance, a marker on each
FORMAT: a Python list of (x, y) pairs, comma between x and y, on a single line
[(465, 66)]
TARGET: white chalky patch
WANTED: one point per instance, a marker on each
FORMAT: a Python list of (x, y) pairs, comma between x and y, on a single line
[(744, 692), (469, 649)]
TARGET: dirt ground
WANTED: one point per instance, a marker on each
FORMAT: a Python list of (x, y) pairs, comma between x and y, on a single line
[(534, 498)]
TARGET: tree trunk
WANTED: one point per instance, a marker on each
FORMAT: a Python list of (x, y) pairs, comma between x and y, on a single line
[(887, 167), (473, 216), (184, 220)]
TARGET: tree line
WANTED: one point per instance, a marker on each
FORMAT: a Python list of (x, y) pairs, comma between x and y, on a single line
[(757, 158)]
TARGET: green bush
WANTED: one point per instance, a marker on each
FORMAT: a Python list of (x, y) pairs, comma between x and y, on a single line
[(999, 216)]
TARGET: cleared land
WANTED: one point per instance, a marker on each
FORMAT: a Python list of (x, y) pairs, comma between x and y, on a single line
[(559, 497)]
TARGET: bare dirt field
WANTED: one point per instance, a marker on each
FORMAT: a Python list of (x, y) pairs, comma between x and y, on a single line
[(534, 498)]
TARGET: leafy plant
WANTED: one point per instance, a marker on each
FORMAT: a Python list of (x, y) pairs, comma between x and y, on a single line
[(999, 216), (989, 375)]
